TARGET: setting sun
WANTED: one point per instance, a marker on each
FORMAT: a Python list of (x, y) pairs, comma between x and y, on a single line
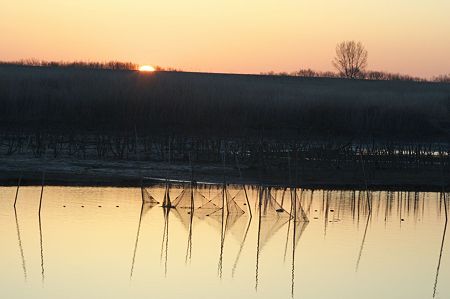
[(146, 68)]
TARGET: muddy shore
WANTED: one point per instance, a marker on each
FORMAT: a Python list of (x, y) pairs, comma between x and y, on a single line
[(133, 173)]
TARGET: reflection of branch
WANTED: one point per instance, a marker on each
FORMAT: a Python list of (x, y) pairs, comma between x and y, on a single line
[(164, 235), (222, 234), (20, 244), (191, 223), (241, 247), (294, 244), (327, 205), (442, 249), (362, 243), (189, 243), (369, 205), (259, 237), (366, 184), (288, 230), (248, 203), (298, 229), (42, 250), (137, 240), (40, 228), (167, 211)]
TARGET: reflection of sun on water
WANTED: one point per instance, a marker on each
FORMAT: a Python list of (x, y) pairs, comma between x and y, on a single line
[(146, 68)]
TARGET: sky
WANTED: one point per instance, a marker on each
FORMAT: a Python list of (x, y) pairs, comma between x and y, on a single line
[(237, 36)]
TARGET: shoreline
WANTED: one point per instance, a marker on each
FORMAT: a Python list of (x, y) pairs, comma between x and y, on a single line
[(90, 173)]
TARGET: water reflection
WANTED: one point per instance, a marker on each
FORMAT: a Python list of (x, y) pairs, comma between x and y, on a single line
[(41, 243), (285, 242), (444, 199), (22, 255)]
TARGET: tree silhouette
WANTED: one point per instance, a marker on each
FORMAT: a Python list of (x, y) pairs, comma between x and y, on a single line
[(351, 59)]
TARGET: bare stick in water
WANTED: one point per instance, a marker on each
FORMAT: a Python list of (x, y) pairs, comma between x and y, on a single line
[(17, 191), (40, 228), (241, 247), (248, 202), (20, 246), (137, 238), (442, 248), (362, 243), (164, 234), (166, 251), (289, 227), (259, 237), (294, 243), (191, 219), (222, 233)]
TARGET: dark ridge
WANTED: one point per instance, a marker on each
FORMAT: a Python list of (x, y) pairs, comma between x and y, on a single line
[(85, 101)]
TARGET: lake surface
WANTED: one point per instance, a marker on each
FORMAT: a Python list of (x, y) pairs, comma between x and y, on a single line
[(105, 243)]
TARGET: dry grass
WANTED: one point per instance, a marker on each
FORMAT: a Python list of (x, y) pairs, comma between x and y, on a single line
[(83, 100)]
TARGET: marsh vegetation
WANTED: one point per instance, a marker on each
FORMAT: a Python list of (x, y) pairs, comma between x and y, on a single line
[(261, 123), (82, 101)]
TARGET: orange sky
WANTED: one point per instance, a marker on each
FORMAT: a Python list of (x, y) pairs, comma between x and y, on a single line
[(243, 36)]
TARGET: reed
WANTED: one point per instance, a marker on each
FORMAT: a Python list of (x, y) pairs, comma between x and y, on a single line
[(114, 102)]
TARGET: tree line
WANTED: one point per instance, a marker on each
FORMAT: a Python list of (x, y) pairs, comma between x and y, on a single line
[(108, 65), (351, 61), (367, 75)]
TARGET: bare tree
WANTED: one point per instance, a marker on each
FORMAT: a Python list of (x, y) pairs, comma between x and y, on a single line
[(351, 59)]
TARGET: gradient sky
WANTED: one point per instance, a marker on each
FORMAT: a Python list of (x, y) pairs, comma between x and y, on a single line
[(243, 36)]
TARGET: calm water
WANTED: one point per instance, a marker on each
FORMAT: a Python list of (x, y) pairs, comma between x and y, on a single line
[(103, 243)]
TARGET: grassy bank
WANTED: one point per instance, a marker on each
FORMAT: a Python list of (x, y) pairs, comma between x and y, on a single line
[(107, 125), (69, 100)]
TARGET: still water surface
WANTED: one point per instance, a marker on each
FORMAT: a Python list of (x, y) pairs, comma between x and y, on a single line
[(104, 243)]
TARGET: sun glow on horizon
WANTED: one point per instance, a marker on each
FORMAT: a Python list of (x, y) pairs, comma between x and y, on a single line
[(146, 68), (411, 37)]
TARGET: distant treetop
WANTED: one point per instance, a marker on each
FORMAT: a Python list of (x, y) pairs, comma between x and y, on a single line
[(117, 65), (368, 75), (109, 65), (351, 59)]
